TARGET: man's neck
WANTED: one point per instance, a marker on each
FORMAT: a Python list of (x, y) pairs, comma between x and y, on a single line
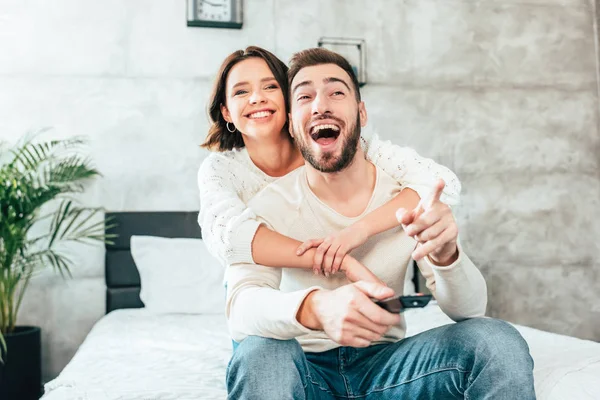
[(349, 191), (276, 157)]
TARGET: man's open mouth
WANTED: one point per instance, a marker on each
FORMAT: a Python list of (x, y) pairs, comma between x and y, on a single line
[(325, 134)]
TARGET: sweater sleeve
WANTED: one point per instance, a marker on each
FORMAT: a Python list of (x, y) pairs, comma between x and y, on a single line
[(411, 170), (256, 307), (459, 288), (228, 225)]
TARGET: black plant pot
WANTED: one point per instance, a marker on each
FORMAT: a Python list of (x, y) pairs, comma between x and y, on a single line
[(21, 374)]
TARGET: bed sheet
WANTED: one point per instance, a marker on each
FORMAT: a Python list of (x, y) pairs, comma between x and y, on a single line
[(137, 355)]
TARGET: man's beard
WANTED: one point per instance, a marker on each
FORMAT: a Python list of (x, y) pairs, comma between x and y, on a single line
[(328, 162)]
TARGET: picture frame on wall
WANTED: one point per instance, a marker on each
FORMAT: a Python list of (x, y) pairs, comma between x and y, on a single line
[(353, 49), (226, 14)]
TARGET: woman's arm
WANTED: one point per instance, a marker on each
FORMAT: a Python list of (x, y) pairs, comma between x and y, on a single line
[(228, 226), (276, 250), (411, 170), (231, 230), (332, 250), (384, 217), (233, 233)]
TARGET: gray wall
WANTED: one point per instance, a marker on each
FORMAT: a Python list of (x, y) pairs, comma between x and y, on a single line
[(503, 92)]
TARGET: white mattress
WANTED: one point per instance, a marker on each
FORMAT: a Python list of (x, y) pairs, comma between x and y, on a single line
[(135, 355)]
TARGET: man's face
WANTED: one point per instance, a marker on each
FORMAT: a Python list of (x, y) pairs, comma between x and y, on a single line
[(325, 117)]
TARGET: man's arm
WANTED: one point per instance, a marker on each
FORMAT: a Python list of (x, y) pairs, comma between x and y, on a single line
[(454, 280), (459, 288), (256, 306), (347, 314)]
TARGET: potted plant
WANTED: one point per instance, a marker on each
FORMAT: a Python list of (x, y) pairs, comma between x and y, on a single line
[(37, 184)]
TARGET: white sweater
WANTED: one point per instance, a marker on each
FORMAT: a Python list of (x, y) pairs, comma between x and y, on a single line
[(264, 301), (228, 180)]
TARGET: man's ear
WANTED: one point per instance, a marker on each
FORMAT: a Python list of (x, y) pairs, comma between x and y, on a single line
[(362, 112), (225, 113)]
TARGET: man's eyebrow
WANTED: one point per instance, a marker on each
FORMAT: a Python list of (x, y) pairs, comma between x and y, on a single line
[(334, 79), (271, 78), (304, 83), (329, 79)]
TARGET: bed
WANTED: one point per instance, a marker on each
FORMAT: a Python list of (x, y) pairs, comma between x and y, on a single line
[(137, 353)]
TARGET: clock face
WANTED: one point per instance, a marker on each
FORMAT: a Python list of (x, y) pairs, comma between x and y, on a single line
[(215, 13), (213, 10)]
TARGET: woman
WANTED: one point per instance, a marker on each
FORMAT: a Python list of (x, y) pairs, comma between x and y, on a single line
[(252, 147)]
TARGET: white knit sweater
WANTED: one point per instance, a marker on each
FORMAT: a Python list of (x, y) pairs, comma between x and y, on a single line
[(263, 301), (227, 181)]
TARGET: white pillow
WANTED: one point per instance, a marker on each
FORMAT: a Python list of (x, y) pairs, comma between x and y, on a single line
[(178, 275)]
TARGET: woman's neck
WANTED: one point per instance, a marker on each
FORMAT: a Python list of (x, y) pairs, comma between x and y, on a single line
[(276, 157)]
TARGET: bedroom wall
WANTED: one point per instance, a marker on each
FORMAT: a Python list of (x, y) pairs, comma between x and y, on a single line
[(503, 92)]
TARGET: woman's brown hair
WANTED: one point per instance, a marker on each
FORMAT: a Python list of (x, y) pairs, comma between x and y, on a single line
[(219, 138)]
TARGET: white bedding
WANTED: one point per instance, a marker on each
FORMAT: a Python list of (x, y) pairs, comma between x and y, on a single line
[(136, 355)]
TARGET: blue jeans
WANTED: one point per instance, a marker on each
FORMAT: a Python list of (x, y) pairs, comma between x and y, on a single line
[(481, 358)]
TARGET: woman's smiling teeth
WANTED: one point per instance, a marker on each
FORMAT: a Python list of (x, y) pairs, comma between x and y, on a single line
[(260, 114)]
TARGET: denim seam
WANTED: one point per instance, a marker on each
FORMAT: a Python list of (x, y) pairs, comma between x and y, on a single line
[(317, 384), (227, 369), (442, 369), (341, 372), (305, 384), (469, 383)]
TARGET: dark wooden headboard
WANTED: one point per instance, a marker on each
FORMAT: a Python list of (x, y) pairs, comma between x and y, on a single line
[(122, 277)]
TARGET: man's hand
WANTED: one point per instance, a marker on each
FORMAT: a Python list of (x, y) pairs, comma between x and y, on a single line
[(348, 315), (332, 249), (433, 227)]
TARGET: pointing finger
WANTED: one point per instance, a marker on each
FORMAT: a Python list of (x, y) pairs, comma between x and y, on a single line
[(436, 193)]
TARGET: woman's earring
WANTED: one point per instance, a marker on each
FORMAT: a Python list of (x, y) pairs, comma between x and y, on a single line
[(229, 129)]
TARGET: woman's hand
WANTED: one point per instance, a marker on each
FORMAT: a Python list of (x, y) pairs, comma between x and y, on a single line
[(332, 249)]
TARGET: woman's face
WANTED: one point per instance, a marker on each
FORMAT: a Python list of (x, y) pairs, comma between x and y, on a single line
[(254, 100)]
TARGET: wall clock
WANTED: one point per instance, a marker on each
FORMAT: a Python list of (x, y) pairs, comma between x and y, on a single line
[(215, 13)]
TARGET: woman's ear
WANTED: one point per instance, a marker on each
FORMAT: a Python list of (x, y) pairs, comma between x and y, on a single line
[(225, 113)]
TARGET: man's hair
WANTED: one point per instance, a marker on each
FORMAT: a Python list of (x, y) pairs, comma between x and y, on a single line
[(219, 138), (319, 56)]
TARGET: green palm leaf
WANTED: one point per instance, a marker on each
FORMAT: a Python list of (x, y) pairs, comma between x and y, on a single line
[(33, 175)]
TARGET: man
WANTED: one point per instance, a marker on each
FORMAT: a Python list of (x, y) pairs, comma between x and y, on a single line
[(311, 337)]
